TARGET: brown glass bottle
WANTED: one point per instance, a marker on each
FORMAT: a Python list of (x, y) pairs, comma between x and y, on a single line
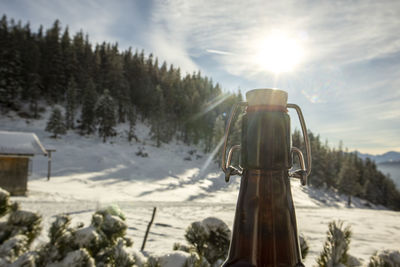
[(265, 229)]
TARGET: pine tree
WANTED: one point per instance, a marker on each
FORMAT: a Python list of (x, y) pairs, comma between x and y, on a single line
[(116, 82), (336, 246), (70, 104), (297, 139), (105, 113), (132, 122), (10, 75), (218, 136), (88, 109), (56, 124), (34, 93), (158, 122), (82, 65), (54, 78), (348, 183), (68, 59), (31, 79)]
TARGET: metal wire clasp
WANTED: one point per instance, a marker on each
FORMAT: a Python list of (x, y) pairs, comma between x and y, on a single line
[(227, 168), (230, 170), (303, 172)]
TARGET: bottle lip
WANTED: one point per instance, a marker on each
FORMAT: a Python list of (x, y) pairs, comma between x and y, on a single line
[(266, 96)]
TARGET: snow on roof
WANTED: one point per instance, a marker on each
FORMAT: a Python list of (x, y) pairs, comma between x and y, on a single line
[(18, 143)]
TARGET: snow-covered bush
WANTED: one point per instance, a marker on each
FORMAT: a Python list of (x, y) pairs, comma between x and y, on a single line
[(197, 235), (142, 153), (106, 239), (153, 261), (18, 231), (89, 238), (182, 247), (24, 222), (353, 261), (303, 245), (102, 243), (27, 259), (140, 259), (115, 255), (385, 258), (62, 237), (110, 223), (120, 256), (177, 259), (210, 238), (78, 257), (4, 202), (114, 210), (335, 249), (13, 247), (174, 259)]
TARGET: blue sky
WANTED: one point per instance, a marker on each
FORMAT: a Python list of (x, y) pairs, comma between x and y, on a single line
[(347, 79)]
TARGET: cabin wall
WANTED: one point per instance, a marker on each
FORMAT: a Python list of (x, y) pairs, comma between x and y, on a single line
[(14, 174)]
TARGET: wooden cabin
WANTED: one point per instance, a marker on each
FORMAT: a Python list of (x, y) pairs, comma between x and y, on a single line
[(16, 150)]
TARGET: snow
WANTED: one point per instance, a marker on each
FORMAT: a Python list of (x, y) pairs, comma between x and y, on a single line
[(174, 259), (22, 217), (86, 236), (18, 143), (4, 196), (390, 257), (27, 259), (88, 175), (75, 258), (10, 249), (213, 224)]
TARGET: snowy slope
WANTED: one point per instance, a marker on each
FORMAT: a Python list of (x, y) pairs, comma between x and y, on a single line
[(113, 172), (88, 174)]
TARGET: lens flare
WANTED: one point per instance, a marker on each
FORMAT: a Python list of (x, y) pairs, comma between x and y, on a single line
[(210, 106), (279, 53), (211, 157)]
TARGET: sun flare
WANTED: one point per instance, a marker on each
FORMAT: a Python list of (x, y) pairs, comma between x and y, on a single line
[(279, 53)]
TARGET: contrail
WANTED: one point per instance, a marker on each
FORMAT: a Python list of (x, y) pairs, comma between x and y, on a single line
[(219, 52)]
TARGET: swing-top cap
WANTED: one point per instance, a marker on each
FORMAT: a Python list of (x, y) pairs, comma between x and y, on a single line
[(269, 97)]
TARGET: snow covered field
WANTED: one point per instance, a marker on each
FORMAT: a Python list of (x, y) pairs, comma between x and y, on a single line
[(88, 174)]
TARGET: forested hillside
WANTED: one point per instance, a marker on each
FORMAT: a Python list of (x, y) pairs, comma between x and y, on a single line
[(99, 86), (336, 168)]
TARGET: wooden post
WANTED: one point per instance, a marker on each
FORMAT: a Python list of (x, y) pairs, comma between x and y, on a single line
[(148, 228), (49, 162), (49, 165)]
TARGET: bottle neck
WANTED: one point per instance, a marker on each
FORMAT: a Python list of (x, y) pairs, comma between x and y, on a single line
[(266, 140)]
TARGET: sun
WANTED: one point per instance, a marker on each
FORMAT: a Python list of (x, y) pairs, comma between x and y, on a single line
[(279, 53)]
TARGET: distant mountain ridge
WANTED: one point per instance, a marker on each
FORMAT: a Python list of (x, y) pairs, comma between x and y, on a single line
[(388, 163), (391, 156)]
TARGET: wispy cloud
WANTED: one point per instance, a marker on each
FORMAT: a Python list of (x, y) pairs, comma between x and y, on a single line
[(334, 32), (172, 50)]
